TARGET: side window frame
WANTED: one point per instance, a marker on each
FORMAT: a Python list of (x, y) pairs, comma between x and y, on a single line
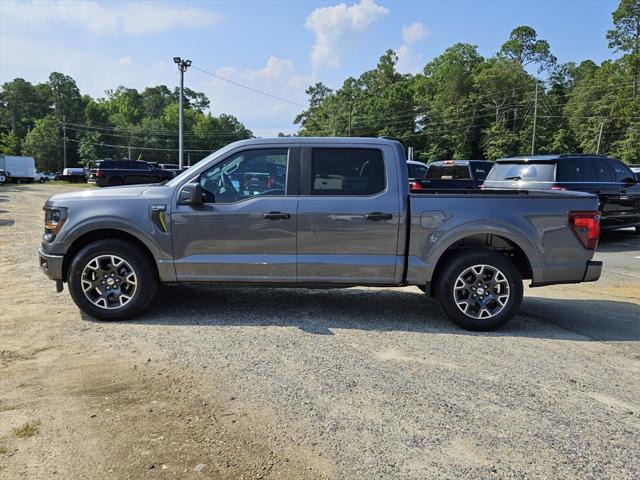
[(293, 165), (613, 163), (306, 157)]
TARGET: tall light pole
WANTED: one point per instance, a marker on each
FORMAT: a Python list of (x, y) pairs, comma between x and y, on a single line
[(182, 66)]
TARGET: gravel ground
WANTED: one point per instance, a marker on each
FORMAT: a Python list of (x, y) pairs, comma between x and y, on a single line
[(375, 383)]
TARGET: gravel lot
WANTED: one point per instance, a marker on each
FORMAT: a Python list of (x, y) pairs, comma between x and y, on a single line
[(285, 383)]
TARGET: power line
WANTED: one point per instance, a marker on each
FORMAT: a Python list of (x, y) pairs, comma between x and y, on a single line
[(136, 147)]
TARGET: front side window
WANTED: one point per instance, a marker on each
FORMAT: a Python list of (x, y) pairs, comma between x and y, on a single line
[(622, 173), (251, 173), (347, 171), (603, 174)]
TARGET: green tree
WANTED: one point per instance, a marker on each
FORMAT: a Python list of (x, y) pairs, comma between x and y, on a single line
[(9, 143), (524, 48), (44, 143), (625, 36)]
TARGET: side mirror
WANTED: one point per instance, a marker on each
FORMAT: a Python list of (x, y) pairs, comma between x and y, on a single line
[(191, 194)]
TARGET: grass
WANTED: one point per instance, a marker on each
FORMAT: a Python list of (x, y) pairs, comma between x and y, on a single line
[(3, 450), (27, 429)]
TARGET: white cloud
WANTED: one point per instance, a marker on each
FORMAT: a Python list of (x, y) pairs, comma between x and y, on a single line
[(331, 26), (136, 18), (408, 60), (264, 115)]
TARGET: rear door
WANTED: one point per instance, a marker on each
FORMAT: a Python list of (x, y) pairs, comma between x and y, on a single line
[(348, 215), (607, 190)]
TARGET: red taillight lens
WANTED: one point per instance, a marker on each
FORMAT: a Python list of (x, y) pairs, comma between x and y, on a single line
[(271, 181), (557, 187), (415, 186), (99, 173), (586, 226)]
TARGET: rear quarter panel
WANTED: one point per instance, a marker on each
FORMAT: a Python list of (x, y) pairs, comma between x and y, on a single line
[(536, 223)]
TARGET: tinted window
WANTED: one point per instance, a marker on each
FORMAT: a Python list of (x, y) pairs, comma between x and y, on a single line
[(601, 169), (480, 170), (347, 171), (247, 174), (573, 171), (532, 172), (449, 172), (621, 172), (417, 171)]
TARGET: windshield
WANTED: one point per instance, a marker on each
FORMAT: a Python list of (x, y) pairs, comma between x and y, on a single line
[(531, 172)]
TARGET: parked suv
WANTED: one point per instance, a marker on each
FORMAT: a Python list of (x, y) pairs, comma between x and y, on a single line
[(108, 173), (453, 174), (611, 180)]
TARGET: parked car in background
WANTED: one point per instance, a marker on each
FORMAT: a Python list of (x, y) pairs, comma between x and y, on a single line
[(20, 169), (109, 173), (416, 170), (611, 180), (171, 167), (636, 171), (74, 175), (44, 177), (453, 174), (343, 217)]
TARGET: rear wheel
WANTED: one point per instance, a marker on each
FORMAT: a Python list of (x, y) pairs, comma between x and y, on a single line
[(480, 290), (112, 280)]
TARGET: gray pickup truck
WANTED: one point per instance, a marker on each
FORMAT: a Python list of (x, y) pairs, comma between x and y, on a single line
[(316, 213)]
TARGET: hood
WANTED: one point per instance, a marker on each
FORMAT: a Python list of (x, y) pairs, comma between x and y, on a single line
[(127, 191)]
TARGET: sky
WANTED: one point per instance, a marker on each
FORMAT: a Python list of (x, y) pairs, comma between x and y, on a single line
[(278, 47)]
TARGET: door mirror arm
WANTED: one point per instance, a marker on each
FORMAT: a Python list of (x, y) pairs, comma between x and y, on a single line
[(190, 194)]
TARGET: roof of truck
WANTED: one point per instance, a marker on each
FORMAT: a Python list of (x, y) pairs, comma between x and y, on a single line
[(316, 140)]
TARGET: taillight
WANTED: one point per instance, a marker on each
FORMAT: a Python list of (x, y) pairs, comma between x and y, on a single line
[(415, 186), (557, 187), (99, 173), (482, 187), (271, 181), (586, 226)]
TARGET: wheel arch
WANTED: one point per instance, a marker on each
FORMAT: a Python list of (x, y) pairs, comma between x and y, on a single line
[(487, 242), (100, 234)]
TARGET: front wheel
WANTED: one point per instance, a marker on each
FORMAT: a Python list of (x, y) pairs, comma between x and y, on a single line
[(112, 280), (480, 290)]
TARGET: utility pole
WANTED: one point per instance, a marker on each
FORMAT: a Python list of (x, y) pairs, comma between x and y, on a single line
[(535, 121), (599, 138), (182, 66), (350, 114), (64, 136)]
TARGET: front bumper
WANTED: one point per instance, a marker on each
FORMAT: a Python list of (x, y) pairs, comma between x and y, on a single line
[(593, 271), (51, 265)]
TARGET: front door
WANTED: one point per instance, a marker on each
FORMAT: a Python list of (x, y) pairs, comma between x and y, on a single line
[(348, 216), (246, 229), (629, 194), (607, 190)]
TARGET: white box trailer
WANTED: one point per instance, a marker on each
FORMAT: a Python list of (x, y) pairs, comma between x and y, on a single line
[(21, 169)]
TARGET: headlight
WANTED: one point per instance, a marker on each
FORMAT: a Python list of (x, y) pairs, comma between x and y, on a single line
[(53, 221)]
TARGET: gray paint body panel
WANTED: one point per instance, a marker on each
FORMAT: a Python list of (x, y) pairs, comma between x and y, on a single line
[(326, 240)]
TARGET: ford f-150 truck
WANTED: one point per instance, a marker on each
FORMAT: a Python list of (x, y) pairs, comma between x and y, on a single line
[(316, 212)]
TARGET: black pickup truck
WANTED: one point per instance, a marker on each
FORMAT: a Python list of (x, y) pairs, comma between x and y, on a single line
[(109, 173), (453, 174)]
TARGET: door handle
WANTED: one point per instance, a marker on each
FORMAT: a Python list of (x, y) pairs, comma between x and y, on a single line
[(276, 216), (377, 216)]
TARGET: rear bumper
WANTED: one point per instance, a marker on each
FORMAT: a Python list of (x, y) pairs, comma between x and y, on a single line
[(51, 265), (593, 271), (568, 273)]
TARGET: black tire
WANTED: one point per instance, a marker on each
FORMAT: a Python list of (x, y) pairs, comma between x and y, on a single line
[(445, 290), (145, 271), (115, 182), (42, 180)]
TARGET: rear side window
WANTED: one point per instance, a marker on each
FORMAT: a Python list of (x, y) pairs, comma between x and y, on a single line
[(480, 170), (602, 171), (532, 172), (448, 172), (417, 171), (347, 171), (573, 171)]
